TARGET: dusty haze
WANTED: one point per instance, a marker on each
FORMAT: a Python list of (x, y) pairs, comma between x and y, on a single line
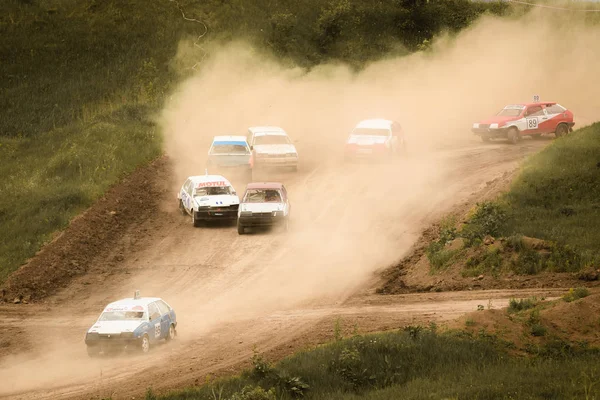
[(348, 221)]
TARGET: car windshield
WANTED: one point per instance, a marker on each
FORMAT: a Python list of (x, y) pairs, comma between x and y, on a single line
[(510, 112), (262, 196), (121, 315), (271, 139), (370, 132), (212, 191), (229, 149)]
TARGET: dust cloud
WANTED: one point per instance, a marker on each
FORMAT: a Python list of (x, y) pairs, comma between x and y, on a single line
[(348, 220)]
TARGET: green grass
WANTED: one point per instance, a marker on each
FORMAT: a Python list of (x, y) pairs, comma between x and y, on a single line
[(409, 365), (576, 294), (554, 198), (515, 305)]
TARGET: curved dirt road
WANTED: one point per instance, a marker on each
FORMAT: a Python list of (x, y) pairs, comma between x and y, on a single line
[(268, 290)]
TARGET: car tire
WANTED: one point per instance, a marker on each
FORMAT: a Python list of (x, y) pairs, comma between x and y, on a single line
[(514, 136), (93, 351), (145, 344), (561, 130), (195, 222), (172, 333), (241, 229)]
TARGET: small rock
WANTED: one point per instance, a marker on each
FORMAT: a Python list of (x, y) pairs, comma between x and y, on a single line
[(113, 213), (456, 244), (480, 277), (488, 240), (17, 300)]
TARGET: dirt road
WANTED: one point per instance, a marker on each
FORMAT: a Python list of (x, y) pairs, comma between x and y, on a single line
[(272, 291)]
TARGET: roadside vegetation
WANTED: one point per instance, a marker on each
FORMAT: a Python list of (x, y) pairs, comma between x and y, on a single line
[(412, 363), (546, 222), (83, 80)]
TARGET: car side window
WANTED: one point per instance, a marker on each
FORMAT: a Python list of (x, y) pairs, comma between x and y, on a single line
[(188, 187), (162, 307), (153, 311), (535, 111), (555, 109)]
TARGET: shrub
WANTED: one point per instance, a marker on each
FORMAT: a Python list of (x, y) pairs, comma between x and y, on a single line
[(487, 219), (515, 305), (576, 294), (254, 393), (489, 261), (529, 262)]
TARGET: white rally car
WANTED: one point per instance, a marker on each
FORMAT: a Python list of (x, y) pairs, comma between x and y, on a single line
[(131, 324), (264, 204), (374, 138), (207, 198), (272, 147)]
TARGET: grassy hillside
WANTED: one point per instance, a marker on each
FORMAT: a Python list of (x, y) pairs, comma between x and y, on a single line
[(414, 363), (547, 221), (83, 79)]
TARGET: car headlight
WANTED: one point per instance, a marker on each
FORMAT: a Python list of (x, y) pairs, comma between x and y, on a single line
[(475, 125), (493, 126)]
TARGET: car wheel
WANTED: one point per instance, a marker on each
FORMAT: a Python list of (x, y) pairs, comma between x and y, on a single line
[(172, 333), (195, 222), (145, 344), (561, 130), (93, 351), (514, 135), (241, 229)]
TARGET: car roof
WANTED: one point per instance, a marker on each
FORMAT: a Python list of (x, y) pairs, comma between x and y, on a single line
[(142, 301), (267, 130), (539, 103), (208, 178), (264, 185), (229, 138), (377, 123)]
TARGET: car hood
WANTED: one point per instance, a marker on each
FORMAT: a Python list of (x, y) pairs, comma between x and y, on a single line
[(115, 326), (366, 140), (229, 160), (497, 120), (275, 148), (262, 207), (220, 200)]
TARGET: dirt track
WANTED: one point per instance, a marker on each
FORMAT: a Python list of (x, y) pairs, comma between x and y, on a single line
[(278, 292)]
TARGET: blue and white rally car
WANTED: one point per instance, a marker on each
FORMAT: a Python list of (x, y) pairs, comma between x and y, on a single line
[(208, 198), (231, 156), (131, 324)]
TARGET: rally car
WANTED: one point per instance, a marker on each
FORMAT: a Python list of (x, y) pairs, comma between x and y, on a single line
[(374, 138), (131, 324), (529, 119), (230, 155), (264, 205), (272, 147), (208, 197)]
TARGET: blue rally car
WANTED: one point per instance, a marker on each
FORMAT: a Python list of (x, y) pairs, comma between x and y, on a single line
[(131, 324), (230, 155)]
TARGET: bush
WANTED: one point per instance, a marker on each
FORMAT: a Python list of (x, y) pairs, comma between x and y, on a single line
[(529, 262), (490, 261), (515, 305), (488, 219), (576, 294)]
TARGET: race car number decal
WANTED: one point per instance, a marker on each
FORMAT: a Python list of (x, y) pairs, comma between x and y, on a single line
[(206, 184), (157, 330), (532, 123)]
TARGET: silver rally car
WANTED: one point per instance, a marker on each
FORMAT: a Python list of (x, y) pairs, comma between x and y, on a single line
[(264, 204), (208, 198), (272, 147)]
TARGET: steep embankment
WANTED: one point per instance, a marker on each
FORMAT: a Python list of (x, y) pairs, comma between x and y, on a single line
[(541, 233)]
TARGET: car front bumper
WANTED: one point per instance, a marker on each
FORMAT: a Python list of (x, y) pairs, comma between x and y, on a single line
[(216, 213), (276, 161), (490, 132), (262, 219), (113, 341)]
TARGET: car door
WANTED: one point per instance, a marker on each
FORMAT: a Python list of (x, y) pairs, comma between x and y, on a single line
[(165, 318), (555, 115), (155, 331), (533, 117)]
